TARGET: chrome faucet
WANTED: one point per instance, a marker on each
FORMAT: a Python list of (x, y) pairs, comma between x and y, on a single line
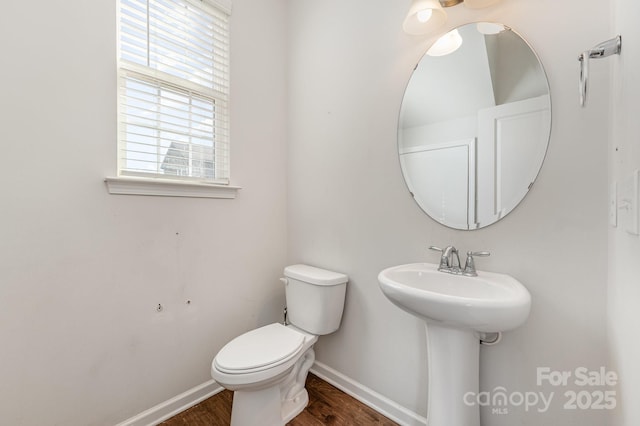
[(451, 264), (447, 260)]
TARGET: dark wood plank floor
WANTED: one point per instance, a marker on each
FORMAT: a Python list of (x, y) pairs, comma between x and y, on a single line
[(327, 406)]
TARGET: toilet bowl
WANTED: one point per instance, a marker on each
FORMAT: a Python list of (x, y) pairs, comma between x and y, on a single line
[(267, 367)]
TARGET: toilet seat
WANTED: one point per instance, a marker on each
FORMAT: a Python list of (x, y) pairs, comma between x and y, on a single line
[(260, 349)]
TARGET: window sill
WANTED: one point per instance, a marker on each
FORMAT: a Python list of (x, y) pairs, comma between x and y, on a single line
[(168, 188)]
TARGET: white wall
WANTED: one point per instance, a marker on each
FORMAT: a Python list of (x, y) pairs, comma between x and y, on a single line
[(624, 249), (444, 131), (82, 271), (349, 209)]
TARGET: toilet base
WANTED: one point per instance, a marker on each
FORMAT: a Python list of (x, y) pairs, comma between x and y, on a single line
[(277, 404), (293, 407), (266, 407)]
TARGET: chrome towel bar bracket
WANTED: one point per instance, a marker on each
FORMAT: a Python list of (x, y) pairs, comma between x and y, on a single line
[(602, 50)]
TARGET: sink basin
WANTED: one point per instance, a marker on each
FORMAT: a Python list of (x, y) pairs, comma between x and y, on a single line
[(490, 302)]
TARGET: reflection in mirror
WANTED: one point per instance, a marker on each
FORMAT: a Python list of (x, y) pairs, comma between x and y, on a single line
[(474, 127)]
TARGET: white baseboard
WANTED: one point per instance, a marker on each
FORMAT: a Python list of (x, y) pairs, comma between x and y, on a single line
[(369, 397), (173, 406)]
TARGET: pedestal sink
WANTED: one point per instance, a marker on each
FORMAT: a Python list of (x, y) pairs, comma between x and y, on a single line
[(455, 309)]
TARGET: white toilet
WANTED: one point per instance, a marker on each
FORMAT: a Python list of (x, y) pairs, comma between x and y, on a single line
[(267, 367)]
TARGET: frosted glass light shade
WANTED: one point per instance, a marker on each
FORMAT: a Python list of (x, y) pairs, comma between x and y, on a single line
[(448, 43), (415, 22), (479, 4)]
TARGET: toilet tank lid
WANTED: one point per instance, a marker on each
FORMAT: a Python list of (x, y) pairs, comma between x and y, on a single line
[(313, 275)]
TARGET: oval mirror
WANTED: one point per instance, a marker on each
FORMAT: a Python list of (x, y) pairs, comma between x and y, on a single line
[(474, 125)]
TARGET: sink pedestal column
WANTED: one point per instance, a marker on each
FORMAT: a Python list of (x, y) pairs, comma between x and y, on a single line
[(454, 370)]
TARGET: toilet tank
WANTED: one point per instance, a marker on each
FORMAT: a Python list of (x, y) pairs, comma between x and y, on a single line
[(315, 298)]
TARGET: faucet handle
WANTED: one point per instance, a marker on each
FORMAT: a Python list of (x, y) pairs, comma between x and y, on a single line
[(436, 248), (470, 265)]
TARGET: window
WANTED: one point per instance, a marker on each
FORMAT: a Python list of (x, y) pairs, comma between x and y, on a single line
[(173, 86)]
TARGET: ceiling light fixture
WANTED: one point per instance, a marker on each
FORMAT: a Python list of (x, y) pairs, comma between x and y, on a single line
[(479, 4), (424, 16), (427, 15)]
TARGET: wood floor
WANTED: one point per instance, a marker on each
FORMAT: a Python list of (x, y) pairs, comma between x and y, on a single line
[(327, 406)]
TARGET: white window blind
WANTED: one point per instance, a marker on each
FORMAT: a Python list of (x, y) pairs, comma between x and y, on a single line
[(173, 119)]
